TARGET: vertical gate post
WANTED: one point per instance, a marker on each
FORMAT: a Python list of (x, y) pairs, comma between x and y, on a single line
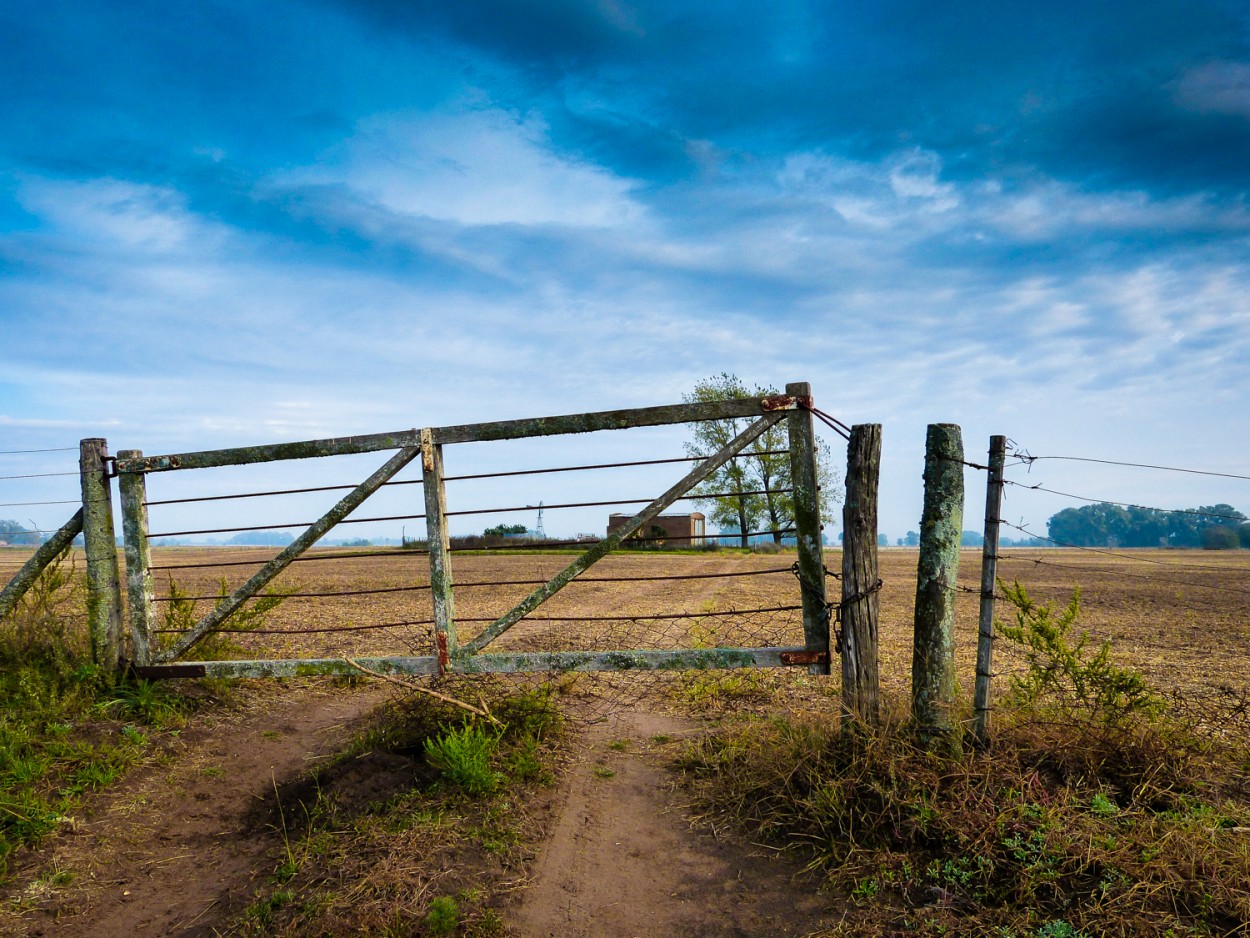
[(989, 576), (440, 547), (860, 582), (933, 647), (104, 600), (807, 528), (139, 589)]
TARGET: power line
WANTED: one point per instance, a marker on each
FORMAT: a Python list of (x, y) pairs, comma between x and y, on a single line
[(1030, 459)]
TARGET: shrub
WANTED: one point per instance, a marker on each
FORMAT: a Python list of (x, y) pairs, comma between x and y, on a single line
[(463, 756)]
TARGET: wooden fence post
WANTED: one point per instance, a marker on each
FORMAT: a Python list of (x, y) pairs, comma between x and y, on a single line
[(139, 589), (104, 599), (933, 683), (807, 528), (989, 577), (439, 544), (860, 582)]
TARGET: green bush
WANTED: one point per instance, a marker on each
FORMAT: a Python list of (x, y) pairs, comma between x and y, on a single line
[(464, 756)]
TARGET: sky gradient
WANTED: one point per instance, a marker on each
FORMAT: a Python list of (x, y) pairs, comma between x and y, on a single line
[(226, 223)]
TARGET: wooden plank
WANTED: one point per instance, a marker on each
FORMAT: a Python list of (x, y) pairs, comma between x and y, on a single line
[(688, 659), (139, 589), (439, 545), (265, 574), (465, 433), (48, 551), (602, 420), (245, 455), (601, 549)]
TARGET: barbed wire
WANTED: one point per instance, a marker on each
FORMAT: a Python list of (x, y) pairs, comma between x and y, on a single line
[(485, 583), (1027, 458), (456, 478), (39, 475), (467, 512)]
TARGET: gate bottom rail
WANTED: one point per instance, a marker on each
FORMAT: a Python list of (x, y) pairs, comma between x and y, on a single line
[(685, 659)]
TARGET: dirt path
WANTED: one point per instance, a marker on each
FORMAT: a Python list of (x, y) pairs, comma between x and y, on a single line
[(180, 850), (621, 860)]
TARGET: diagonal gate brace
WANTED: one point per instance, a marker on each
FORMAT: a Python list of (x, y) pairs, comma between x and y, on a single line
[(345, 506), (613, 540)]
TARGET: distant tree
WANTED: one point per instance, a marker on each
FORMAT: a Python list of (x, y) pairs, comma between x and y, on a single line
[(1243, 533), (971, 539), (1105, 525), (504, 530), (1220, 537), (758, 482), (13, 532), (911, 540), (883, 540), (262, 538)]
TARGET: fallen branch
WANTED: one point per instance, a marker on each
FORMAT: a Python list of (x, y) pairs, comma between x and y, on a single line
[(411, 685)]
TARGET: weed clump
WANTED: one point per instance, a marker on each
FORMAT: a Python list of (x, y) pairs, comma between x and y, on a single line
[(1094, 811)]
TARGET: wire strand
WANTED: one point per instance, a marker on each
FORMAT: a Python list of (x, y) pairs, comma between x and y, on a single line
[(1107, 501), (1028, 458)]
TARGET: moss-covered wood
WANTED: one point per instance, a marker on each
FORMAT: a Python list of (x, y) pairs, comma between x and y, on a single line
[(809, 541), (439, 544), (467, 433), (989, 575), (686, 659), (139, 588), (104, 598), (933, 684)]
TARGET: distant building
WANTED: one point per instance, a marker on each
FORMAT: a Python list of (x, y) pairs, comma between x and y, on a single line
[(677, 530)]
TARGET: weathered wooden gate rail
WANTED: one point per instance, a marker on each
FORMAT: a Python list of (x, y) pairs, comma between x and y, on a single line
[(131, 467)]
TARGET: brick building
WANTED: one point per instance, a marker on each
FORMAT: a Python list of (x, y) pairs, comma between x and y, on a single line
[(677, 530)]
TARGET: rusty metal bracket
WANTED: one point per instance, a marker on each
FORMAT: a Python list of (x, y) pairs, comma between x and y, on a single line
[(784, 402), (444, 659), (804, 657)]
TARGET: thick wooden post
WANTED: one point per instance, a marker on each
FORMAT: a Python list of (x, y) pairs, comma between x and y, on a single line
[(989, 576), (807, 528), (440, 547), (933, 685), (860, 582), (139, 588), (104, 599)]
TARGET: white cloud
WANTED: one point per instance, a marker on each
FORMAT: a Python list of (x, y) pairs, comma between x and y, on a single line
[(477, 167), (1216, 87)]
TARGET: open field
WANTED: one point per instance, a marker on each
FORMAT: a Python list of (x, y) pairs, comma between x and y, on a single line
[(1183, 617)]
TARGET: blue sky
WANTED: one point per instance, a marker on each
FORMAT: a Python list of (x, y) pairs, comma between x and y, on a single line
[(229, 223)]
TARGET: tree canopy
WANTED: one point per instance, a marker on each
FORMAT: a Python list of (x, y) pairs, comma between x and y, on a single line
[(1103, 524), (757, 483), (12, 532)]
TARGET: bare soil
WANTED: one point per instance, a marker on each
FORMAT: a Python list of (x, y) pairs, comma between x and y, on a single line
[(622, 859), (179, 849)]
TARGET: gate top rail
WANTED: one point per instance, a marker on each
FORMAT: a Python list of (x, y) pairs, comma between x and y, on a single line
[(463, 433)]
